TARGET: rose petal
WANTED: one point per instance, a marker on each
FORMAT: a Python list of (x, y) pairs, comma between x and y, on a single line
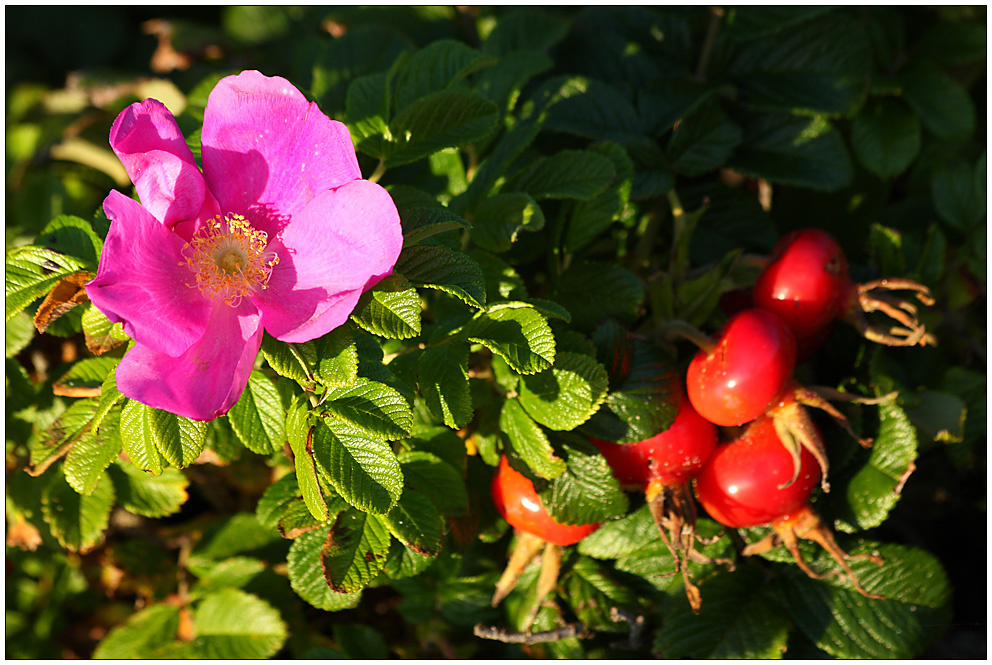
[(341, 244), (142, 280), (148, 142), (265, 147), (208, 379)]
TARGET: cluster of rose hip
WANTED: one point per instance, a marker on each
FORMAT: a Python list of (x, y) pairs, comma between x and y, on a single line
[(739, 388)]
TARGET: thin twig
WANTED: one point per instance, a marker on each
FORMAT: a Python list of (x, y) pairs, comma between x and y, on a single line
[(576, 629)]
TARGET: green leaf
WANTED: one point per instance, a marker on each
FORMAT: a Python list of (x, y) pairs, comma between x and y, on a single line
[(644, 394), (73, 237), (886, 137), (793, 150), (391, 309), (838, 620), (179, 439), (259, 416), (362, 50), (621, 537), (703, 141), (504, 82), (92, 454), (943, 105), (440, 482), (662, 103), (367, 110), (529, 441), (232, 624), (76, 521), (46, 447), (31, 272), (593, 591), (737, 620), (143, 634), (507, 148), (87, 373), (370, 406), (437, 267), (18, 332), (306, 575), (875, 489), (525, 29), (297, 519), (566, 395), (354, 552), (422, 223), (939, 416), (442, 375), (589, 219), (236, 535), (362, 469), (300, 432), (587, 492), (276, 499), (416, 523), (522, 337), (500, 219), (747, 23), (436, 67), (145, 495), (959, 195), (819, 65), (109, 398), (331, 360), (233, 573), (138, 439), (599, 112), (360, 641), (593, 292), (568, 174), (448, 119)]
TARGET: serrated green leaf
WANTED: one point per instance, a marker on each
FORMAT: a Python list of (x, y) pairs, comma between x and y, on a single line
[(331, 360), (436, 479), (589, 219), (306, 575), (87, 373), (793, 150), (370, 406), (138, 439), (421, 223), (942, 104), (145, 495), (109, 398), (239, 534), (297, 519), (500, 218), (233, 573), (593, 292), (504, 152), (30, 272), (959, 195), (144, 633), (621, 537), (354, 552), (300, 432), (845, 624), (818, 65), (232, 624), (92, 454), (886, 137), (703, 141), (101, 334), (436, 67), (362, 469), (592, 590), (875, 489), (529, 441), (276, 500), (737, 620), (437, 267), (367, 110), (76, 521), (566, 395), (447, 119), (587, 492), (416, 523), (391, 309), (504, 82), (72, 236), (599, 112), (56, 440), (521, 336), (442, 375), (259, 417), (179, 439), (568, 174)]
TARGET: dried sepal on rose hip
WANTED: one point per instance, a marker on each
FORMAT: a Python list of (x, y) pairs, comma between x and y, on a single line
[(537, 533), (749, 482), (807, 283), (662, 467)]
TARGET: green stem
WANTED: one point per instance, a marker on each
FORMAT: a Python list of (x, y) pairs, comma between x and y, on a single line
[(379, 171), (716, 16)]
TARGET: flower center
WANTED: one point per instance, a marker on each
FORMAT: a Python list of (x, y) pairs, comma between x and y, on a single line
[(228, 259)]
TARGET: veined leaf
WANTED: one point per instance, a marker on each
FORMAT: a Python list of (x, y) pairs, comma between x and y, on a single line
[(421, 223), (232, 624), (529, 441), (143, 634), (437, 267), (306, 575), (85, 377), (442, 374), (145, 495), (92, 454), (48, 446), (436, 67), (942, 104), (501, 217), (362, 469), (391, 309), (276, 499), (521, 336), (138, 439), (179, 440), (370, 406), (259, 416), (416, 523), (447, 119), (354, 551), (593, 292), (568, 174), (567, 394), (886, 137), (587, 492), (31, 272), (300, 432), (436, 479), (76, 521)]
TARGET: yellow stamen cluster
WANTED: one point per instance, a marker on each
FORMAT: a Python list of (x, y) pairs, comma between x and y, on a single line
[(228, 259)]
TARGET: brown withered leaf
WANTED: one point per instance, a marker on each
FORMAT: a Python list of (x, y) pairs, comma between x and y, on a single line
[(68, 293)]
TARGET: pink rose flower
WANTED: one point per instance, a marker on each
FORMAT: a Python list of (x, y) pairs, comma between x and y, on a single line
[(278, 233)]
